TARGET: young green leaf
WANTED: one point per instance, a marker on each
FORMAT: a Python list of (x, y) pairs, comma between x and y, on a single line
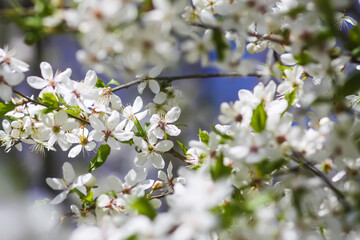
[(204, 136), (183, 147), (258, 120), (219, 170), (144, 207), (100, 157), (113, 82), (5, 108), (50, 100), (100, 83), (220, 44)]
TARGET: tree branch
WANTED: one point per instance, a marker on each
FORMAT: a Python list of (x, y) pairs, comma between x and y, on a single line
[(175, 78), (297, 157), (42, 104)]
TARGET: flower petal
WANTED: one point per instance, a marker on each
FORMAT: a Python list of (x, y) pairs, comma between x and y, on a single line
[(164, 146), (46, 71), (172, 130), (138, 104), (75, 151), (36, 82), (173, 115), (68, 172)]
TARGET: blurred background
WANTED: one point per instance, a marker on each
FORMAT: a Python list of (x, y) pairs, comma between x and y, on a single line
[(23, 174)]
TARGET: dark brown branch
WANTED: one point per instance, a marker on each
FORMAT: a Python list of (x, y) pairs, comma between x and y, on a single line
[(177, 155), (297, 157), (42, 104), (175, 78), (161, 195)]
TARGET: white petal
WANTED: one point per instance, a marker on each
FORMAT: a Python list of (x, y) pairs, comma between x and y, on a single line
[(124, 136), (288, 59), (155, 71), (139, 142), (103, 200), (173, 115), (154, 86), (116, 103), (59, 198), (70, 126), (172, 130), (68, 172), (158, 161), (159, 133), (141, 115), (36, 82), (113, 120), (208, 18), (46, 70), (75, 151), (90, 78), (90, 146), (164, 146), (97, 124), (60, 117), (169, 170), (141, 87), (162, 175), (5, 92), (140, 159), (55, 183), (14, 78), (113, 143), (131, 177), (138, 104), (160, 98)]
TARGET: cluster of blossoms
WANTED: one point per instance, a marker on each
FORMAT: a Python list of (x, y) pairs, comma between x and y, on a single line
[(283, 162)]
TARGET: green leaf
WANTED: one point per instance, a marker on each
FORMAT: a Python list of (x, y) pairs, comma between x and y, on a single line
[(100, 83), (304, 58), (258, 120), (220, 44), (5, 108), (50, 100), (183, 148), (290, 97), (141, 131), (351, 86), (219, 170), (100, 157), (266, 166), (113, 82), (204, 136), (88, 198), (144, 207)]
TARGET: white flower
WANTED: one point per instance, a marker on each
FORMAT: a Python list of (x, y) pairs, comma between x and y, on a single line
[(80, 137), (342, 19), (112, 131), (65, 184), (153, 84), (150, 150), (59, 125), (8, 137), (169, 180), (160, 125), (7, 57), (8, 78), (132, 112), (50, 83)]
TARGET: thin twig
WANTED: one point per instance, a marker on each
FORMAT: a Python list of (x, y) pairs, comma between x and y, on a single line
[(297, 157), (177, 154), (42, 104), (160, 195), (183, 77)]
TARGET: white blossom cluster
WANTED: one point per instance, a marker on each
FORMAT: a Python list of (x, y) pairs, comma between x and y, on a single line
[(283, 162)]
